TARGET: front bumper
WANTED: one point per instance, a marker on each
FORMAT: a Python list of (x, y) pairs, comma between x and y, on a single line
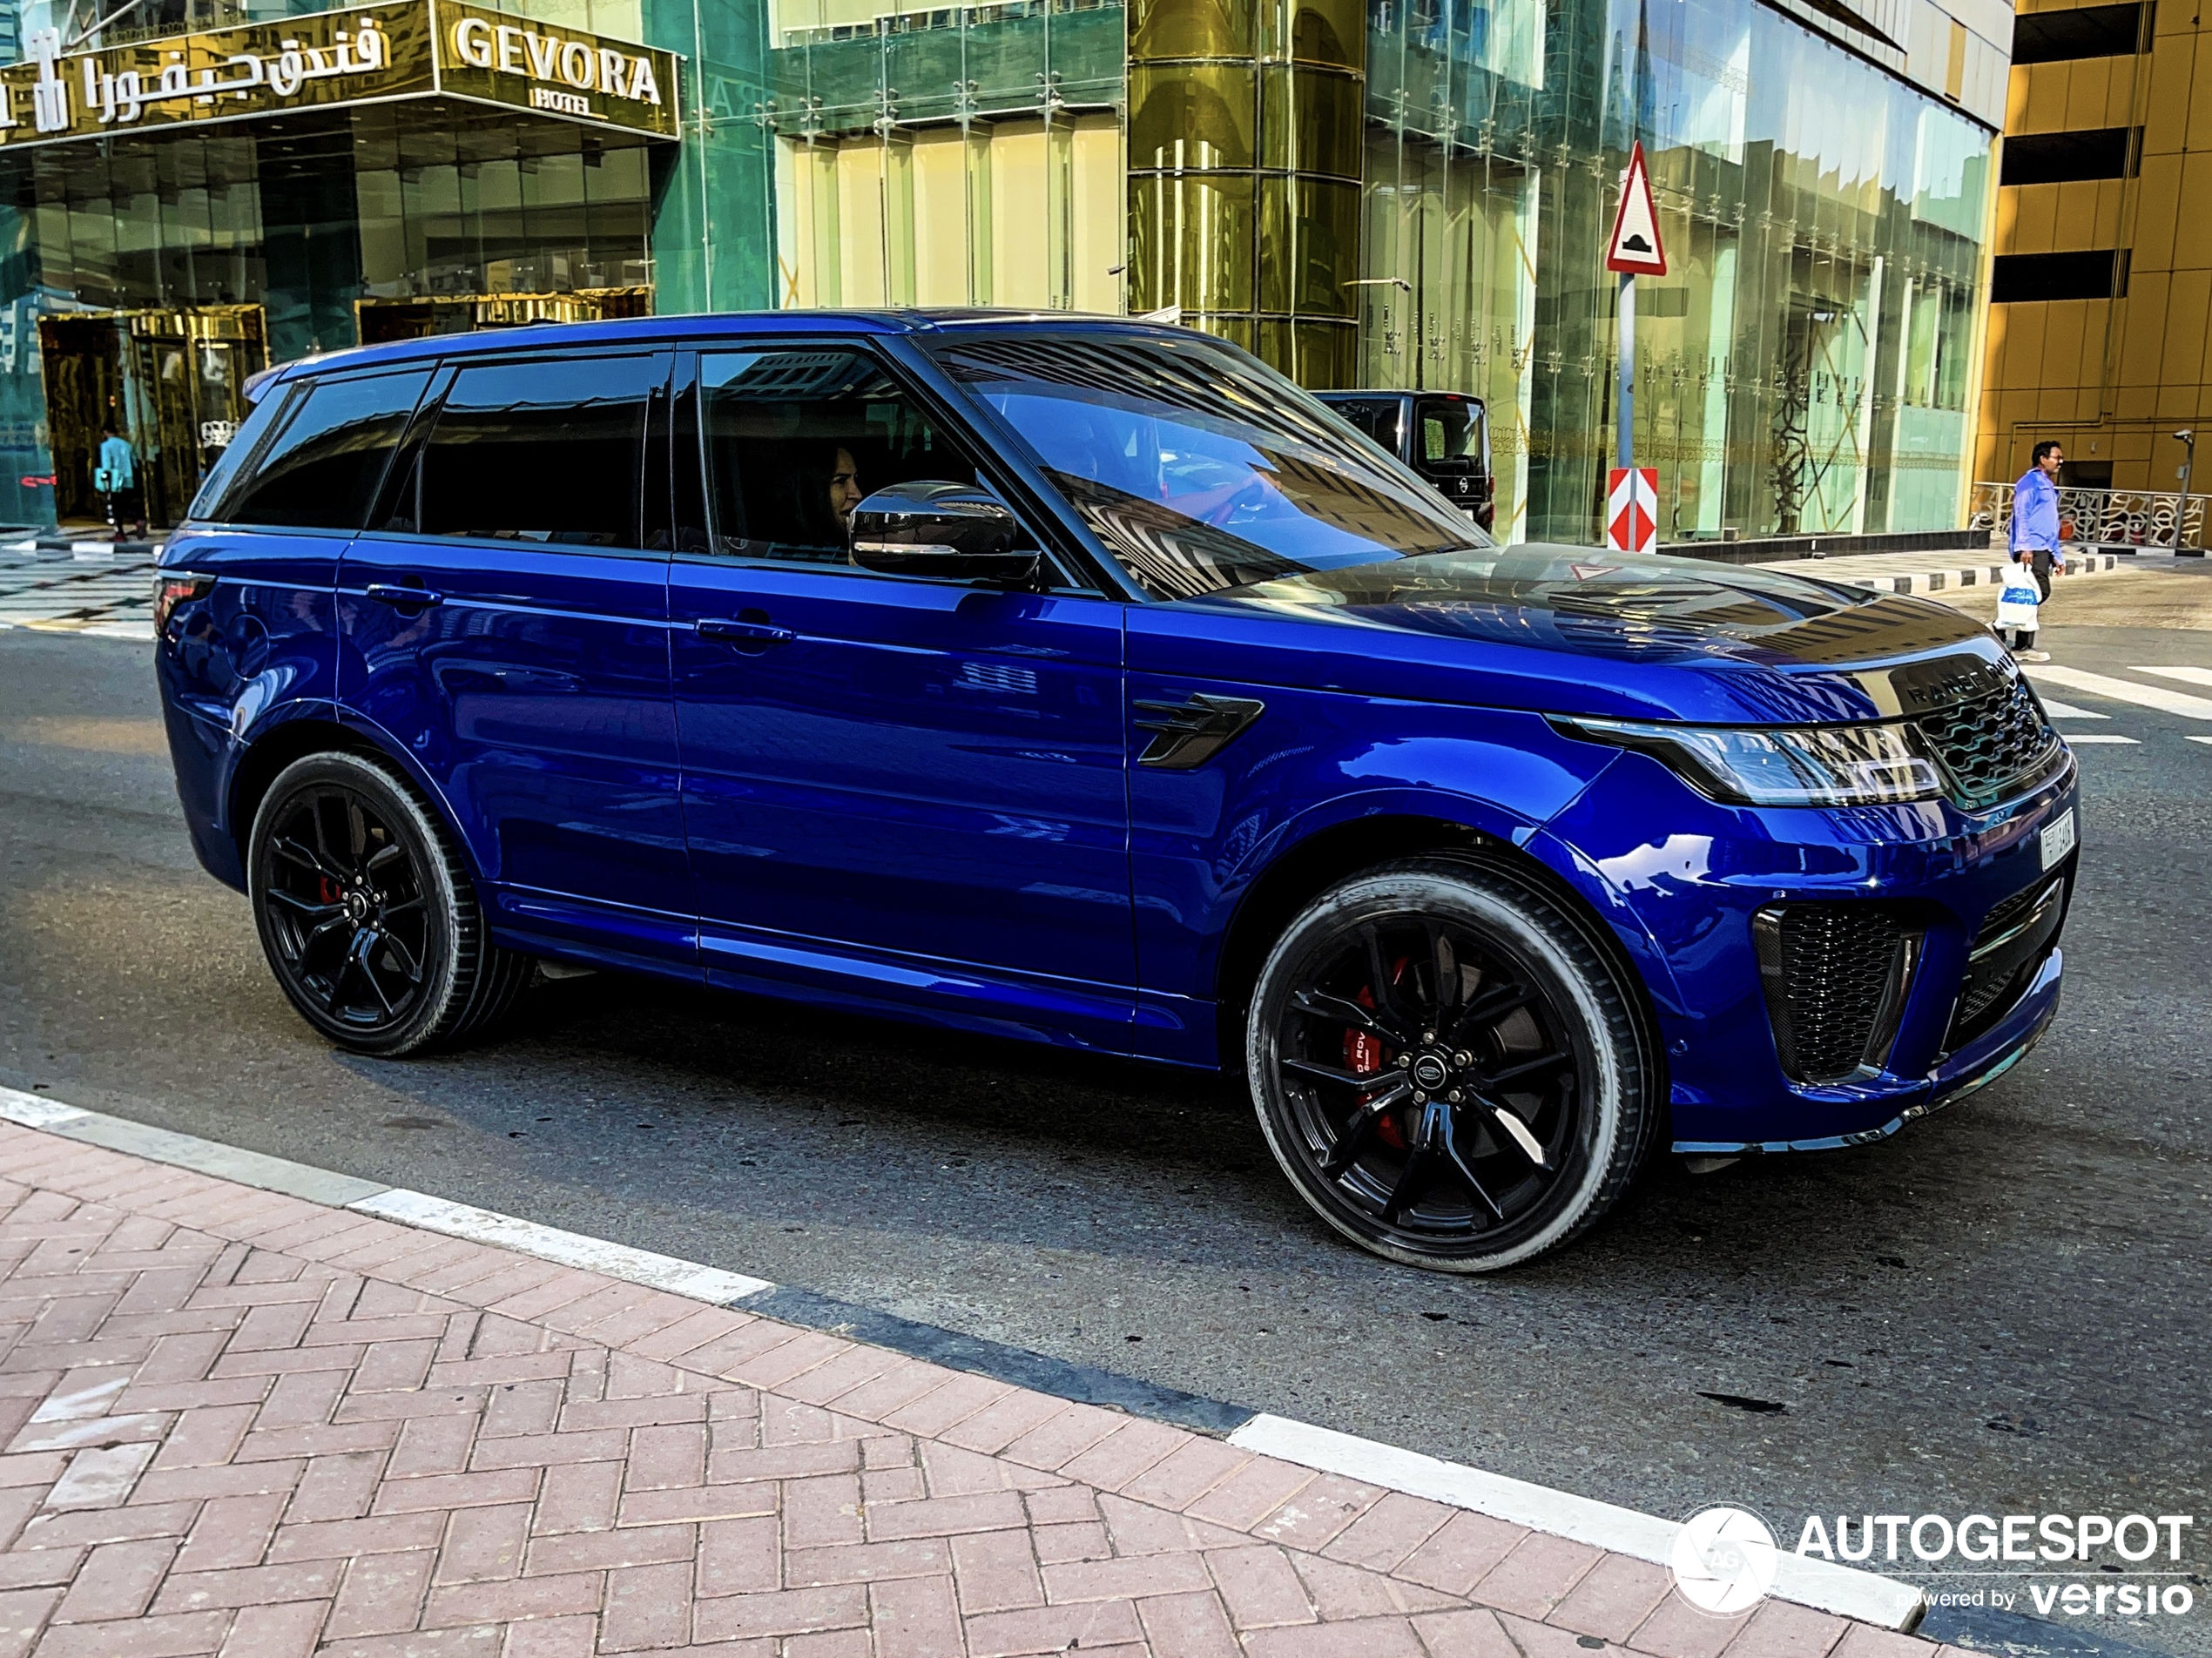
[(1685, 899), (1960, 1074)]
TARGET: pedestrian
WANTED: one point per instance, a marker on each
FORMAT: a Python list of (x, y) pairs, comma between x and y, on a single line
[(2035, 548), (117, 477)]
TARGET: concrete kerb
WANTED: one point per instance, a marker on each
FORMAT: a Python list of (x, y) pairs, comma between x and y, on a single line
[(1879, 570), (1863, 1596)]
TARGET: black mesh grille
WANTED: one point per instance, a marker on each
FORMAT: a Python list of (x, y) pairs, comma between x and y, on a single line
[(1982, 995), (1994, 923), (1831, 972), (1995, 746), (2001, 968)]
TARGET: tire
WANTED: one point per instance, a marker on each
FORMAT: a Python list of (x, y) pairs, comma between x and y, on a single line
[(367, 913), (1447, 1069)]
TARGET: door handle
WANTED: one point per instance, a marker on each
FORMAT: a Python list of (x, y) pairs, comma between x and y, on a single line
[(757, 635), (391, 593)]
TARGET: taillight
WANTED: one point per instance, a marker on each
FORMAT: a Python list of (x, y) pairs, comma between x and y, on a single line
[(172, 588)]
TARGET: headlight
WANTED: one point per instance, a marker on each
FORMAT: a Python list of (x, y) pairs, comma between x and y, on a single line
[(1813, 765)]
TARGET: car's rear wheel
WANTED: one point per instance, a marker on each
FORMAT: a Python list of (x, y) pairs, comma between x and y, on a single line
[(367, 913), (1446, 1068)]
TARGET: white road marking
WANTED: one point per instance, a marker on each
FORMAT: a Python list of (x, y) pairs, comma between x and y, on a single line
[(2075, 739), (2126, 690), (2196, 739), (2057, 710), (2187, 675)]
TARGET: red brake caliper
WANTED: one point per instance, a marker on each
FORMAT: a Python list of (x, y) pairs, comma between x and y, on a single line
[(1363, 1053)]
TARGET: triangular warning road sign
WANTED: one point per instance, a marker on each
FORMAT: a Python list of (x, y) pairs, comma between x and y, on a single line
[(1634, 250)]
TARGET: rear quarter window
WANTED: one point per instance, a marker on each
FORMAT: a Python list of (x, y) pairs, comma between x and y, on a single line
[(320, 467)]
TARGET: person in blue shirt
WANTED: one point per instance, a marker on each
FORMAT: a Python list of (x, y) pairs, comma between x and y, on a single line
[(125, 503), (2035, 532)]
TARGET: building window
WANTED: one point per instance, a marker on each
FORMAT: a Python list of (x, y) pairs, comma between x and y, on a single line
[(2092, 31), (2018, 278), (2062, 157)]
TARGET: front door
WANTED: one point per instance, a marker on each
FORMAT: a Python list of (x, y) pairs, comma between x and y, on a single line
[(896, 790), (505, 622)]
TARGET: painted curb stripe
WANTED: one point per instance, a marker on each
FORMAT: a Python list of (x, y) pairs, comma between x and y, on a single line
[(1862, 1595), (36, 1111), (708, 1283), (1848, 1594)]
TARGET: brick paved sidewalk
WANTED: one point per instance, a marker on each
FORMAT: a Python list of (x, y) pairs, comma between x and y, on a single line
[(237, 1422)]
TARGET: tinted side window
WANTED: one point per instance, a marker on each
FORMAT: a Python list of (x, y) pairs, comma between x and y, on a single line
[(794, 439), (1376, 416), (545, 451), (320, 469)]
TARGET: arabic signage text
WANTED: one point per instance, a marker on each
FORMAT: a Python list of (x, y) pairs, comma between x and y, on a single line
[(414, 49)]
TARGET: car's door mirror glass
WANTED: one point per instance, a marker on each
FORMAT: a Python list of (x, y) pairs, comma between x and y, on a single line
[(943, 529)]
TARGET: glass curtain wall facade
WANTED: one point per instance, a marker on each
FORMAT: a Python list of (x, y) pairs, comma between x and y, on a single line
[(958, 155), (306, 232), (1805, 364), (1244, 162)]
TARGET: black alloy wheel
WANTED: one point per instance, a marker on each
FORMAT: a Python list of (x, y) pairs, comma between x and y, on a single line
[(367, 914), (1446, 1068)]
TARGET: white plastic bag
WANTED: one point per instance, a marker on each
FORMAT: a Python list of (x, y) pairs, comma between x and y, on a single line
[(2017, 603)]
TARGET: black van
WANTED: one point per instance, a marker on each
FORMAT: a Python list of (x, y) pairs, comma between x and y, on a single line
[(1445, 436)]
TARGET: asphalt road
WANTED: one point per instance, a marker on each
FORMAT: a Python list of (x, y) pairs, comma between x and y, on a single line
[(2001, 1311)]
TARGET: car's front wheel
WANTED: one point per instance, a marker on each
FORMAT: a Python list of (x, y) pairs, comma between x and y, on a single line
[(1446, 1068), (367, 913)]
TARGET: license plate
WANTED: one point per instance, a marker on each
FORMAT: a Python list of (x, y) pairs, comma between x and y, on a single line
[(2057, 838)]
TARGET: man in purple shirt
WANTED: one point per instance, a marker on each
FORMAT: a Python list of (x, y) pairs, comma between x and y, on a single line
[(2035, 532)]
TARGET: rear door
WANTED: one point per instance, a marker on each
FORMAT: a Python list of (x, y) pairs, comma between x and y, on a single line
[(505, 622), (263, 649)]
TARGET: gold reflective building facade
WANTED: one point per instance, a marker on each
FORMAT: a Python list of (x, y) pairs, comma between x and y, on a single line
[(1245, 163), (2104, 267), (1415, 194), (1404, 194)]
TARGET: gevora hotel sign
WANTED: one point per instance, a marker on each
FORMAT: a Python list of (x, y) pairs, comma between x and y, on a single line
[(428, 48)]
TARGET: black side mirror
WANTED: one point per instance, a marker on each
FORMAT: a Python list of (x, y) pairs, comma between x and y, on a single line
[(953, 530)]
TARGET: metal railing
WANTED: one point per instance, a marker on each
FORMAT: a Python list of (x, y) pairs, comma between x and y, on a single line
[(2103, 517)]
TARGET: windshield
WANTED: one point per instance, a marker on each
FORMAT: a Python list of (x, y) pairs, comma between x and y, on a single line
[(1451, 433), (1198, 466)]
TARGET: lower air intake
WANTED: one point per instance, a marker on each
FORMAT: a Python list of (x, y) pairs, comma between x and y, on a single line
[(1836, 976)]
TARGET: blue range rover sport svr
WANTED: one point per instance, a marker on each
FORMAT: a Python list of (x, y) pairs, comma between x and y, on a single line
[(1085, 682)]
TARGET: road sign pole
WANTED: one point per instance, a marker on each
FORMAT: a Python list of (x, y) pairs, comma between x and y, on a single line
[(1624, 443)]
